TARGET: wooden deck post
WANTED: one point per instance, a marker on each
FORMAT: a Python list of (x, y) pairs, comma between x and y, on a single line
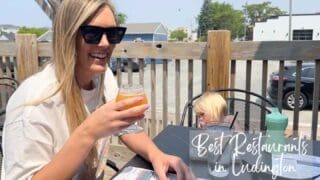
[(27, 55), (218, 58)]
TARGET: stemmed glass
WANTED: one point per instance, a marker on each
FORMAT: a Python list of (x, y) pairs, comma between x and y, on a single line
[(129, 91)]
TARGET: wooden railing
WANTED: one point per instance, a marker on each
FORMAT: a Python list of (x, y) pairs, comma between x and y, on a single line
[(188, 69)]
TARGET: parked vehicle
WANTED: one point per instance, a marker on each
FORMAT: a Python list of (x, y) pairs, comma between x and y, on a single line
[(289, 80), (124, 65)]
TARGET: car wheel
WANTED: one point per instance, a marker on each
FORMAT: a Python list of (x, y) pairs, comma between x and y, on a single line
[(289, 100)]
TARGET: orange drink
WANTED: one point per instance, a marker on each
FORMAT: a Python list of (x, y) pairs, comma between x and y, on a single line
[(122, 96), (130, 91)]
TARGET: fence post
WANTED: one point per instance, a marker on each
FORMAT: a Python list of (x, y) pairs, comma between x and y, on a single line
[(218, 58), (27, 55)]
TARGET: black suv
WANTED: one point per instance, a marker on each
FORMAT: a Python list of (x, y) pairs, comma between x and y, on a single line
[(124, 65), (289, 80)]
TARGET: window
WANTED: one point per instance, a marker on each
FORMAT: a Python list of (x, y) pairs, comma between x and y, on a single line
[(305, 34), (308, 72)]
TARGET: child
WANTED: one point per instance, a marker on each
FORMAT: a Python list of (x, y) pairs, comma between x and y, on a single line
[(211, 108)]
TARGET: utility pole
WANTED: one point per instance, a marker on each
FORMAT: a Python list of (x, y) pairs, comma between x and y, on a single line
[(245, 22), (290, 20)]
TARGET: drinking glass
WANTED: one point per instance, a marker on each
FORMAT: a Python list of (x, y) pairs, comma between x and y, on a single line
[(219, 161), (129, 91)]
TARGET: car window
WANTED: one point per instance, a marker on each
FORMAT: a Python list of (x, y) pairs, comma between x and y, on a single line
[(308, 72)]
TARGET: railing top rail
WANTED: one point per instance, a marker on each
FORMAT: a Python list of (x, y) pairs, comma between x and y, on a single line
[(270, 50), (276, 50)]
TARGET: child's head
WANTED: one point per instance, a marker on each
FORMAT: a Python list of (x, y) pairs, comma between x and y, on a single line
[(210, 107)]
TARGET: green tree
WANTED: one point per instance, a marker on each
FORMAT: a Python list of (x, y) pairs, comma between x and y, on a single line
[(215, 16), (37, 31), (121, 18), (203, 19), (261, 12), (178, 34)]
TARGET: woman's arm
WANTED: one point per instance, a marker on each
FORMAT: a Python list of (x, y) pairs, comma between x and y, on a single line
[(106, 120)]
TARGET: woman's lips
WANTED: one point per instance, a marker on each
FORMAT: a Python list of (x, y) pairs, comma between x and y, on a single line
[(98, 55)]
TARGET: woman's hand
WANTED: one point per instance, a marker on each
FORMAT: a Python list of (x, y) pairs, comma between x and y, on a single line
[(110, 118), (162, 163)]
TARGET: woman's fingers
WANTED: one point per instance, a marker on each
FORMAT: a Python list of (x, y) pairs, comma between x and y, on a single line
[(133, 113), (124, 104), (182, 170)]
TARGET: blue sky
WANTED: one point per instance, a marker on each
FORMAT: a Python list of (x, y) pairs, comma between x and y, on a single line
[(172, 13)]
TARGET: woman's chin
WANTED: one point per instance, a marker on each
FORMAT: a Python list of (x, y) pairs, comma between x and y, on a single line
[(99, 69)]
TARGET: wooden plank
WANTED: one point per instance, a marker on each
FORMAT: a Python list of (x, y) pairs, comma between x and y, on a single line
[(218, 59), (153, 122), (280, 85), (315, 104), (119, 73), (165, 93), (190, 90), (161, 50), (27, 55), (130, 61), (233, 73), (8, 48), (297, 90), (275, 50), (247, 97), (2, 65), (232, 84), (141, 71), (8, 67), (204, 75), (177, 90), (45, 49), (15, 65), (272, 50), (264, 94), (142, 123)]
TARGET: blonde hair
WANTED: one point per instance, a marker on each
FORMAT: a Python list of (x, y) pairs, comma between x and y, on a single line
[(212, 104), (70, 16)]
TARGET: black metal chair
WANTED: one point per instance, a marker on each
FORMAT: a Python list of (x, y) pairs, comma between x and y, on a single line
[(251, 113)]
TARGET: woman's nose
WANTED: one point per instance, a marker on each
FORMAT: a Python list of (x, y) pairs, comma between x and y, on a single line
[(104, 40)]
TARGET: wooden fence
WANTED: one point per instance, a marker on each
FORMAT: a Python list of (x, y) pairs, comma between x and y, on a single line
[(215, 62)]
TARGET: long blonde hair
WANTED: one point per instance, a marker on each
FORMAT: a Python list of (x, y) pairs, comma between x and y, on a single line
[(70, 16), (213, 104)]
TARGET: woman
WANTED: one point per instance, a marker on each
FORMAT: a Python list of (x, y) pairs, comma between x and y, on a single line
[(56, 120)]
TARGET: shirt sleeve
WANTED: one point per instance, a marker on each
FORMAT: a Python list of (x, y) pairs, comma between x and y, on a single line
[(110, 92), (28, 145)]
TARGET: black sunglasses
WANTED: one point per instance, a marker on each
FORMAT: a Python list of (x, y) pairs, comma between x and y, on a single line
[(93, 34)]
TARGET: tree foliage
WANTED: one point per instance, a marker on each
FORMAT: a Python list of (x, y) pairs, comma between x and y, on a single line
[(215, 16), (121, 18), (178, 34), (261, 12), (37, 31)]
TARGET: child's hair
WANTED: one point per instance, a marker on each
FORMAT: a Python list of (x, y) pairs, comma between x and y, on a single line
[(212, 104)]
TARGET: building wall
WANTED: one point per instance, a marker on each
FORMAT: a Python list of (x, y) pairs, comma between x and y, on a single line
[(160, 37), (145, 37), (277, 29), (133, 37)]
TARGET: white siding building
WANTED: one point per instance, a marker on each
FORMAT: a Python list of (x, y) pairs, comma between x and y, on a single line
[(303, 26)]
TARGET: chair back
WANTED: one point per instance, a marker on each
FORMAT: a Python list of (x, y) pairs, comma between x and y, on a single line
[(252, 108)]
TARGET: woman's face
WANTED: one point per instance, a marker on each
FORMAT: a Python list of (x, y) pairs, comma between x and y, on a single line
[(94, 58)]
